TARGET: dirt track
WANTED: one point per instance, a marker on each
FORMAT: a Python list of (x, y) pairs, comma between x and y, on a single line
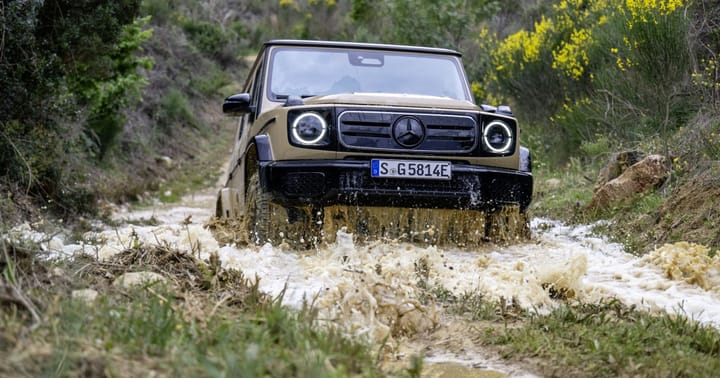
[(373, 289)]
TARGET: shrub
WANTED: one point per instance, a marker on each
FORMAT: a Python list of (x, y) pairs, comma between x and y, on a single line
[(207, 37), (619, 68), (210, 83), (53, 54), (160, 10), (110, 95), (175, 109)]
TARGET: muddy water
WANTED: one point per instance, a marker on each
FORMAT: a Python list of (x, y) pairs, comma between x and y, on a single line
[(372, 290)]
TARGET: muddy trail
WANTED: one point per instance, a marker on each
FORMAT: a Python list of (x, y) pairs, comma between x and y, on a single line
[(373, 289)]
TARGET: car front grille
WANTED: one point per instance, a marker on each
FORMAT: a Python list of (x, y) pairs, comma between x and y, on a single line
[(303, 184), (373, 131)]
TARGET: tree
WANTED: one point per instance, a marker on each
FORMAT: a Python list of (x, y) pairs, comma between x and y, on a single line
[(51, 53)]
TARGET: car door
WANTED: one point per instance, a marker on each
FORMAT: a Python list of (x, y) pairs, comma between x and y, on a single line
[(233, 195)]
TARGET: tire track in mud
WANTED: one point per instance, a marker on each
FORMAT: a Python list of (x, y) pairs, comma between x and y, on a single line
[(373, 290)]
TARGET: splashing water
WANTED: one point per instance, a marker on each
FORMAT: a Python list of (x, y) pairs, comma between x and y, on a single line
[(373, 289)]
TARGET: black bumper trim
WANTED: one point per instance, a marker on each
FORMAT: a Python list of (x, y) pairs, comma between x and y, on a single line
[(348, 182)]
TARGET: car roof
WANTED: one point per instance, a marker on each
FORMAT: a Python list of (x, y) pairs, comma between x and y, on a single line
[(360, 45)]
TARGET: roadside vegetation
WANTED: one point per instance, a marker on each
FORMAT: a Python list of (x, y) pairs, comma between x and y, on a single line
[(118, 101), (84, 317), (593, 340), (612, 76), (114, 113)]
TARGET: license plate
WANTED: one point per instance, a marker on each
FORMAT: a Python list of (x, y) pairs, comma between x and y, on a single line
[(420, 169)]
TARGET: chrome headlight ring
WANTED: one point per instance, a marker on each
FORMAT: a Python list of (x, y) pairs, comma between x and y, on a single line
[(497, 137), (309, 128)]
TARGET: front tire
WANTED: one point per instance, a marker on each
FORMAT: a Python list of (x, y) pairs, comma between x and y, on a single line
[(257, 212)]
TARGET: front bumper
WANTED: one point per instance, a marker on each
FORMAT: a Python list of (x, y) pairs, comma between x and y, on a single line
[(348, 182)]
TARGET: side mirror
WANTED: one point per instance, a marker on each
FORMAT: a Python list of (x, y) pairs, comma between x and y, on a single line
[(237, 104)]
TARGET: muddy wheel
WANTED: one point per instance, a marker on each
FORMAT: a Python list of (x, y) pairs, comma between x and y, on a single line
[(257, 212), (301, 228), (218, 207)]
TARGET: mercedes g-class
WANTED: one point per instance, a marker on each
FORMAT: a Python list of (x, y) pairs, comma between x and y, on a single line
[(325, 124)]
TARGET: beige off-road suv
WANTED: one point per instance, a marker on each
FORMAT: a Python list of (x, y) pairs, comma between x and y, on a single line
[(361, 125)]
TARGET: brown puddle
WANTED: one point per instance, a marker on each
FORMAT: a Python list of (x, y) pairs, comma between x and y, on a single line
[(455, 370)]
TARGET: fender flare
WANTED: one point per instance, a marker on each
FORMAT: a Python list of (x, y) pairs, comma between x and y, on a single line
[(263, 148), (525, 160)]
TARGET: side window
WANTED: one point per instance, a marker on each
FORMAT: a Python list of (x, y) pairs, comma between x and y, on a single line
[(256, 91), (242, 126)]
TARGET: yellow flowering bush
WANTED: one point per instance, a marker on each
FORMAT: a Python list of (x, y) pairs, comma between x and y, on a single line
[(523, 47), (484, 96), (569, 34), (646, 10), (616, 60), (571, 57), (706, 80)]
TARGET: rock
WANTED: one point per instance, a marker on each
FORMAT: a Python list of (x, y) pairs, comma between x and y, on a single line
[(134, 279), (165, 161), (553, 183), (647, 174), (616, 165), (85, 295)]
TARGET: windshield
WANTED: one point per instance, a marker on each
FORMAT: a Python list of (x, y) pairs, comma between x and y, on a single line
[(311, 72)]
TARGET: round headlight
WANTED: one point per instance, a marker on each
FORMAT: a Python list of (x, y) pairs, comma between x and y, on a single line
[(498, 137), (309, 128)]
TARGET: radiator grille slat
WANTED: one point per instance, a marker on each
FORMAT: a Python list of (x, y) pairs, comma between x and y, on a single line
[(373, 131)]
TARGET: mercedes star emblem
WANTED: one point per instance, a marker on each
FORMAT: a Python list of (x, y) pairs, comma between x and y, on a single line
[(409, 132)]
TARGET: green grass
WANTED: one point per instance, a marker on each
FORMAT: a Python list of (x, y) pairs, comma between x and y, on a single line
[(633, 222), (609, 339), (563, 193), (592, 340), (208, 322), (151, 327)]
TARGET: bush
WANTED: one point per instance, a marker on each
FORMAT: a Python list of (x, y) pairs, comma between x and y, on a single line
[(160, 10), (53, 55), (108, 96), (211, 83), (42, 162), (616, 68), (206, 36), (175, 109)]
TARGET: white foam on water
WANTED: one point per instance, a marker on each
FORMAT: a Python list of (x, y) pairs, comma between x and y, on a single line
[(570, 258), (373, 290), (612, 273)]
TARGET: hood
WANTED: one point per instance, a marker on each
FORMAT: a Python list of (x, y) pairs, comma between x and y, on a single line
[(393, 99)]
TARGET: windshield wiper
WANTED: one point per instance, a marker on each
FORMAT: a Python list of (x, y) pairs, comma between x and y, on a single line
[(284, 96)]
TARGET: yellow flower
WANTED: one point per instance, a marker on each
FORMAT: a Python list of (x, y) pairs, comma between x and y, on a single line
[(523, 47), (572, 58), (645, 10)]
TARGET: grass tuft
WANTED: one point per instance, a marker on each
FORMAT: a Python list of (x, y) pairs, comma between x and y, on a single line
[(610, 339), (206, 321)]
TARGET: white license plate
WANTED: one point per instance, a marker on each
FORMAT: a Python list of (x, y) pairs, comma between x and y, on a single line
[(421, 169)]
